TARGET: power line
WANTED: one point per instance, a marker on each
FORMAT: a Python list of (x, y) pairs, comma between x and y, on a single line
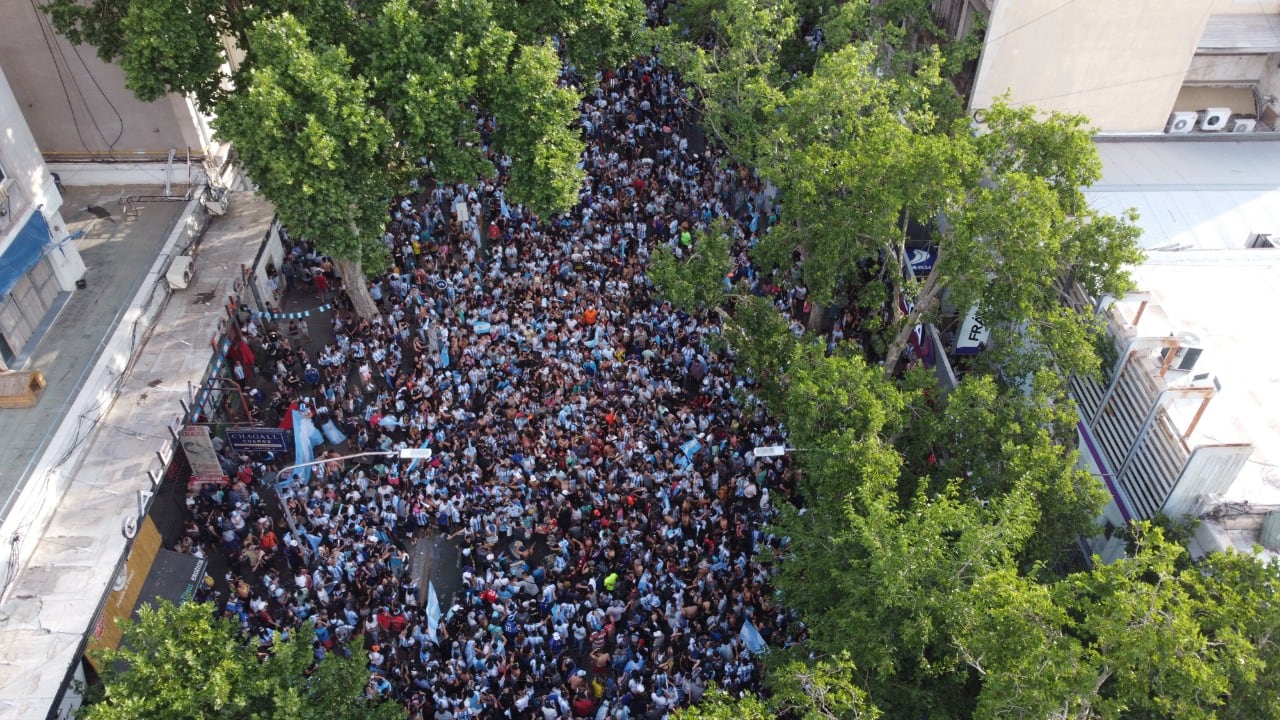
[(119, 118), (1033, 20), (54, 58), (46, 26)]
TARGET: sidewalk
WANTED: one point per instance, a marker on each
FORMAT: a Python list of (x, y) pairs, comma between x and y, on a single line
[(56, 599)]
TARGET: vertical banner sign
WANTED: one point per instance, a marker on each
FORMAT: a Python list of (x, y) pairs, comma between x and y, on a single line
[(198, 447), (973, 334)]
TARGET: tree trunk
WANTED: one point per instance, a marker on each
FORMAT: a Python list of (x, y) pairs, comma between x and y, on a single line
[(817, 316), (896, 348), (928, 300), (353, 281)]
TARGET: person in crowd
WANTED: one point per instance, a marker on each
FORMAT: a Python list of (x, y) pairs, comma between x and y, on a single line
[(591, 445)]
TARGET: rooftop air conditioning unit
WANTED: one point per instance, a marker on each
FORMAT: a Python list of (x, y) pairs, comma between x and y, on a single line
[(1181, 123), (1187, 357), (1187, 354), (180, 272), (1242, 125), (1215, 119)]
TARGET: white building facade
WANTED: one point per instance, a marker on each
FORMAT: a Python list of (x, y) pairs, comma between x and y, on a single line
[(38, 262)]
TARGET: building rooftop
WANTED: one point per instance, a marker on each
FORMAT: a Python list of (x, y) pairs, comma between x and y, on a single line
[(1192, 195), (55, 599), (117, 253), (1221, 304), (1199, 206)]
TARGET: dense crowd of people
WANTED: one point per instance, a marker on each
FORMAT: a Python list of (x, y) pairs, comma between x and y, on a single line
[(590, 455)]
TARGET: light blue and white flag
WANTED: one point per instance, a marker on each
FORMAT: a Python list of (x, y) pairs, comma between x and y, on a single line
[(433, 611), (305, 437), (752, 639)]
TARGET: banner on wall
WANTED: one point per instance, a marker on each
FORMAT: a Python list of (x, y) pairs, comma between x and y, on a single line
[(150, 572), (921, 260), (973, 334)]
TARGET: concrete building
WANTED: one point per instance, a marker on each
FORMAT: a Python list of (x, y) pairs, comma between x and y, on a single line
[(88, 297), (1183, 421), (88, 125), (1133, 67), (39, 265), (98, 456)]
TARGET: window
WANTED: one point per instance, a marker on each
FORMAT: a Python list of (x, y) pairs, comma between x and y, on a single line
[(6, 204)]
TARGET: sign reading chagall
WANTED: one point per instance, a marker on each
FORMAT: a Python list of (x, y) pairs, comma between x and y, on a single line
[(257, 439)]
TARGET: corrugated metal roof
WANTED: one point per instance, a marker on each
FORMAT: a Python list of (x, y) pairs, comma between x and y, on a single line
[(1194, 219), (1259, 33), (1193, 196)]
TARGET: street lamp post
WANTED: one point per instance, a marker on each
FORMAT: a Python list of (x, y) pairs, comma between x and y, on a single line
[(768, 451)]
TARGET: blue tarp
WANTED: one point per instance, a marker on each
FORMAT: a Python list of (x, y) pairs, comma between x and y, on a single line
[(24, 252)]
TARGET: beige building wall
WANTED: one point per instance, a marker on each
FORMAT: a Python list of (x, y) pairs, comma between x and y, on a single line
[(1120, 63), (75, 104), (1246, 7)]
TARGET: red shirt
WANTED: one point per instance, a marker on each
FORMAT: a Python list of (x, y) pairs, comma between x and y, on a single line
[(583, 706)]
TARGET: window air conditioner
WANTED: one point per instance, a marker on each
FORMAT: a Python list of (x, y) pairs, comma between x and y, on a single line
[(180, 272)]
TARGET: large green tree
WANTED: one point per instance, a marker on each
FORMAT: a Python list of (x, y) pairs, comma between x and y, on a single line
[(306, 132), (800, 688), (1149, 636), (179, 662), (861, 146), (333, 105), (933, 548), (985, 439), (856, 160)]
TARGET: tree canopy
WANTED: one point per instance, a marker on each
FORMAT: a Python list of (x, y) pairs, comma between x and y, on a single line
[(933, 560), (933, 556), (864, 141), (333, 105), (179, 662)]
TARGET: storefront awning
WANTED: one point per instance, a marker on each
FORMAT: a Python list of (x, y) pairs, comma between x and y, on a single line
[(24, 252)]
